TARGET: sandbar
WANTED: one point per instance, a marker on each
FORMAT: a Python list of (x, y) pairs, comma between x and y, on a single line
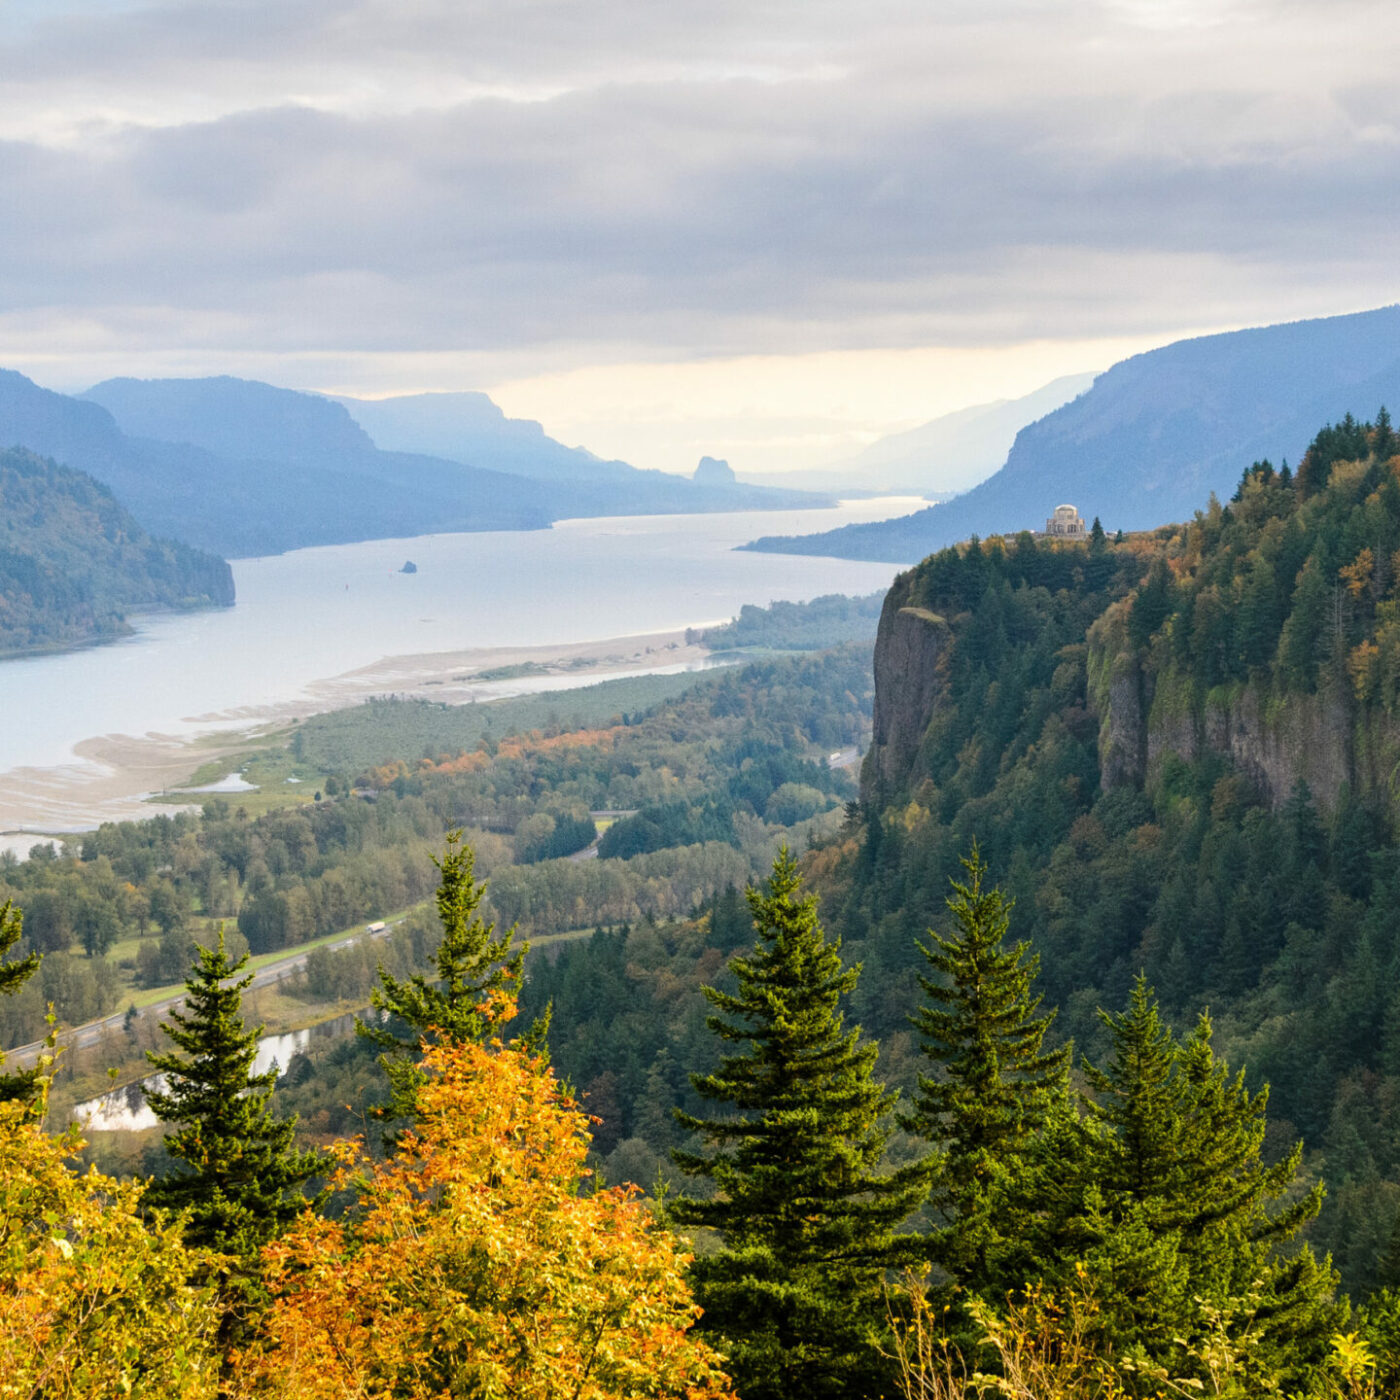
[(112, 775)]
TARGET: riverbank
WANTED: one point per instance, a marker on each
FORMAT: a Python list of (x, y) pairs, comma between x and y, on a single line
[(114, 776)]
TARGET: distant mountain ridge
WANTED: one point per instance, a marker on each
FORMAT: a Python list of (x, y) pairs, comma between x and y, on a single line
[(469, 427), (1157, 434), (73, 563), (245, 468), (240, 507), (241, 419)]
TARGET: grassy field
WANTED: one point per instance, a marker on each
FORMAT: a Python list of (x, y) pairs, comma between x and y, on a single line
[(278, 778)]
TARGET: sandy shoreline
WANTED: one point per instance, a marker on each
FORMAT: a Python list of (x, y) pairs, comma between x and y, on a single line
[(111, 775)]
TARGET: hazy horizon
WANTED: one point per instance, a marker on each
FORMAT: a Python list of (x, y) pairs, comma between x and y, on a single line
[(763, 233)]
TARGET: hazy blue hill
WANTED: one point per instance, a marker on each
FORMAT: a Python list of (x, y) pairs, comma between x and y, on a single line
[(468, 427), (73, 562), (949, 454), (305, 472), (236, 506), (240, 419), (1158, 433)]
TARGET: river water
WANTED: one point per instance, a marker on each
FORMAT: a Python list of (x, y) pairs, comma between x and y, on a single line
[(125, 1109), (312, 615)]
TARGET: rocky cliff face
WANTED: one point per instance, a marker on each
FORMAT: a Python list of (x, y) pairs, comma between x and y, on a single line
[(909, 648), (1147, 713)]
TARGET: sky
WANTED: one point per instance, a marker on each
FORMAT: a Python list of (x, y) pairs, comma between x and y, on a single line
[(768, 231)]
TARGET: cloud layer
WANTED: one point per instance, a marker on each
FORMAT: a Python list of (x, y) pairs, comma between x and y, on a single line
[(562, 182)]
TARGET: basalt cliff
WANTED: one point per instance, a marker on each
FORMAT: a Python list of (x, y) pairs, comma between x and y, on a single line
[(1261, 639)]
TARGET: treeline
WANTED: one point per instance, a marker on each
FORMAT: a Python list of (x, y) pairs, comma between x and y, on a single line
[(1294, 581), (828, 621), (383, 728)]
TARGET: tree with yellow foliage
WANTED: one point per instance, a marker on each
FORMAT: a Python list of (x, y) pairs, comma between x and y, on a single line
[(95, 1302), (475, 1265)]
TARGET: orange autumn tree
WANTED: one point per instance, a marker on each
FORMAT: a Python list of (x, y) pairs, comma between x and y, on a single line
[(474, 1265)]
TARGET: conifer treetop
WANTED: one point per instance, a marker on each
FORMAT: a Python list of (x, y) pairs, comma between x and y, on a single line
[(994, 1087), (1184, 1135), (804, 1206), (241, 1174), (471, 965), (981, 1025)]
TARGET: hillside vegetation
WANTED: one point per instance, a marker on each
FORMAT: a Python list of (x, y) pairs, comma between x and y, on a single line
[(1178, 754), (1157, 434), (1149, 1226), (73, 563)]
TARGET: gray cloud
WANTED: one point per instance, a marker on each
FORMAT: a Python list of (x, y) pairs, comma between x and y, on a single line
[(689, 178)]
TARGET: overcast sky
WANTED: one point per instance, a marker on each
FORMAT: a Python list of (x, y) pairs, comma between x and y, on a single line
[(763, 230)]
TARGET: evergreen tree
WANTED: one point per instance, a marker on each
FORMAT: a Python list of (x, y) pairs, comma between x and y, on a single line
[(806, 1216), (1152, 604), (1098, 541), (242, 1176), (1383, 441), (24, 1084), (470, 965), (1175, 1208), (996, 1085)]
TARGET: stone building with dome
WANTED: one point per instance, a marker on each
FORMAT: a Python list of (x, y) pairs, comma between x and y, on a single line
[(1066, 524)]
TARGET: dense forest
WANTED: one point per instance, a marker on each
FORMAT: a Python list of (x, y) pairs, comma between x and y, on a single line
[(73, 563), (1060, 1062), (1229, 885)]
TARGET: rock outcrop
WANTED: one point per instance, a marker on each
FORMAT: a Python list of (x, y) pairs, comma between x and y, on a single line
[(909, 650), (713, 471), (1148, 713)]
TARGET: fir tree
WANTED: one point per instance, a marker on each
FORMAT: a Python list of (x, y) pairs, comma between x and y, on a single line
[(1383, 441), (996, 1085), (806, 1216), (242, 1176), (1177, 1207), (24, 1084), (470, 964)]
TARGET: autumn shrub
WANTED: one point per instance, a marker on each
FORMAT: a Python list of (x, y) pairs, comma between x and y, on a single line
[(94, 1300), (478, 1262), (1053, 1345)]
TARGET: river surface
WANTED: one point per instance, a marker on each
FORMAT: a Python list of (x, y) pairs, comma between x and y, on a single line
[(312, 615), (126, 1109)]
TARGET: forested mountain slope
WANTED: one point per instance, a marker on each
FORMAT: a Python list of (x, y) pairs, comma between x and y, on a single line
[(73, 563), (245, 506), (1158, 433), (244, 468), (1178, 752)]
